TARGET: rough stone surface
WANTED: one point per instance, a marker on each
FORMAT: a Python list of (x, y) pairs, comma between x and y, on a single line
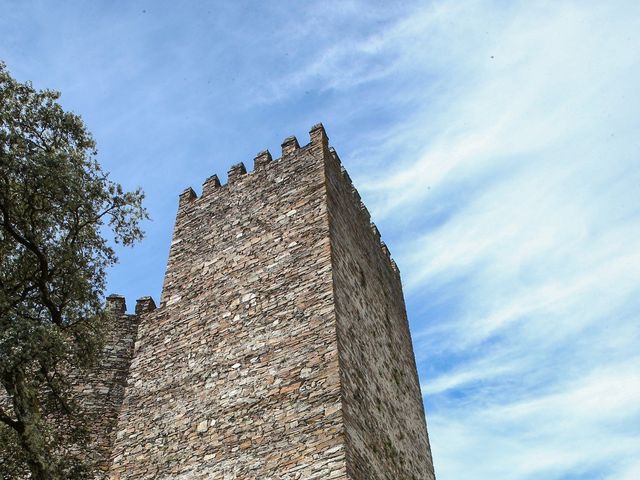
[(102, 389), (281, 348), (236, 374)]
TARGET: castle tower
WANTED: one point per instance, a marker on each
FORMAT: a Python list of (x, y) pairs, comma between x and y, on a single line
[(280, 349)]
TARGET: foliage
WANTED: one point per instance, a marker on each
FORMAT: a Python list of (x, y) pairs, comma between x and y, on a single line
[(55, 204)]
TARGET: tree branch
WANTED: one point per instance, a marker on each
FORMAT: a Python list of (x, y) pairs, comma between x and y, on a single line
[(7, 420), (56, 315)]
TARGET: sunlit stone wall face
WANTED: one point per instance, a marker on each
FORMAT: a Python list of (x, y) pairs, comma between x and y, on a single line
[(280, 348), (236, 375)]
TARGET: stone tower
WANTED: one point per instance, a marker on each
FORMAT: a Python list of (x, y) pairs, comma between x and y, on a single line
[(280, 348)]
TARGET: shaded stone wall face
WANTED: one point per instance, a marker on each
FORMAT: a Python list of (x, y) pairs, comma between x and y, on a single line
[(101, 391), (236, 375), (383, 412)]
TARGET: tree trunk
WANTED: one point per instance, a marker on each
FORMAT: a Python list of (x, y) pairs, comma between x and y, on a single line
[(29, 427)]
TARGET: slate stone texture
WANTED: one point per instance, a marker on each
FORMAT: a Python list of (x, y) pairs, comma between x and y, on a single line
[(280, 349), (101, 390)]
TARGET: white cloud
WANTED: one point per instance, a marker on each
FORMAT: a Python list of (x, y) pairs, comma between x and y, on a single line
[(557, 435), (509, 192)]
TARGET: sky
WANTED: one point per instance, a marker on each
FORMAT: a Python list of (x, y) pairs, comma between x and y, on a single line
[(496, 144)]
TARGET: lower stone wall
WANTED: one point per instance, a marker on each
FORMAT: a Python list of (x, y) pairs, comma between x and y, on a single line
[(101, 391)]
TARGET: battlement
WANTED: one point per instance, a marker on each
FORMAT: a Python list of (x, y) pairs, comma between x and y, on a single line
[(238, 176), (365, 212), (239, 173), (117, 304)]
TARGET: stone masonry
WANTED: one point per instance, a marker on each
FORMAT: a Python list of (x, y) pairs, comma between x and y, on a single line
[(280, 349), (102, 389)]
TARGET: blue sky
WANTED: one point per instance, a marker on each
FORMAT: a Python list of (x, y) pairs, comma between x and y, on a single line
[(495, 143)]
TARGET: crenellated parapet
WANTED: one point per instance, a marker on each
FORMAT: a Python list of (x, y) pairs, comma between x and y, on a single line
[(357, 200), (238, 174), (319, 143), (290, 146), (117, 305), (144, 305), (262, 159), (210, 185), (186, 197)]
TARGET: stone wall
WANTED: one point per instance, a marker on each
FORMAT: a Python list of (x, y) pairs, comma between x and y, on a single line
[(281, 348), (382, 404), (99, 390), (236, 375), (102, 389)]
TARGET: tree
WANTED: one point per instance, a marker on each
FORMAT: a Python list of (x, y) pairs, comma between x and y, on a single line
[(55, 204)]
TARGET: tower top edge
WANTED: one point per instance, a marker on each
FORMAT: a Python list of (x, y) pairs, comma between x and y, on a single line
[(290, 148)]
